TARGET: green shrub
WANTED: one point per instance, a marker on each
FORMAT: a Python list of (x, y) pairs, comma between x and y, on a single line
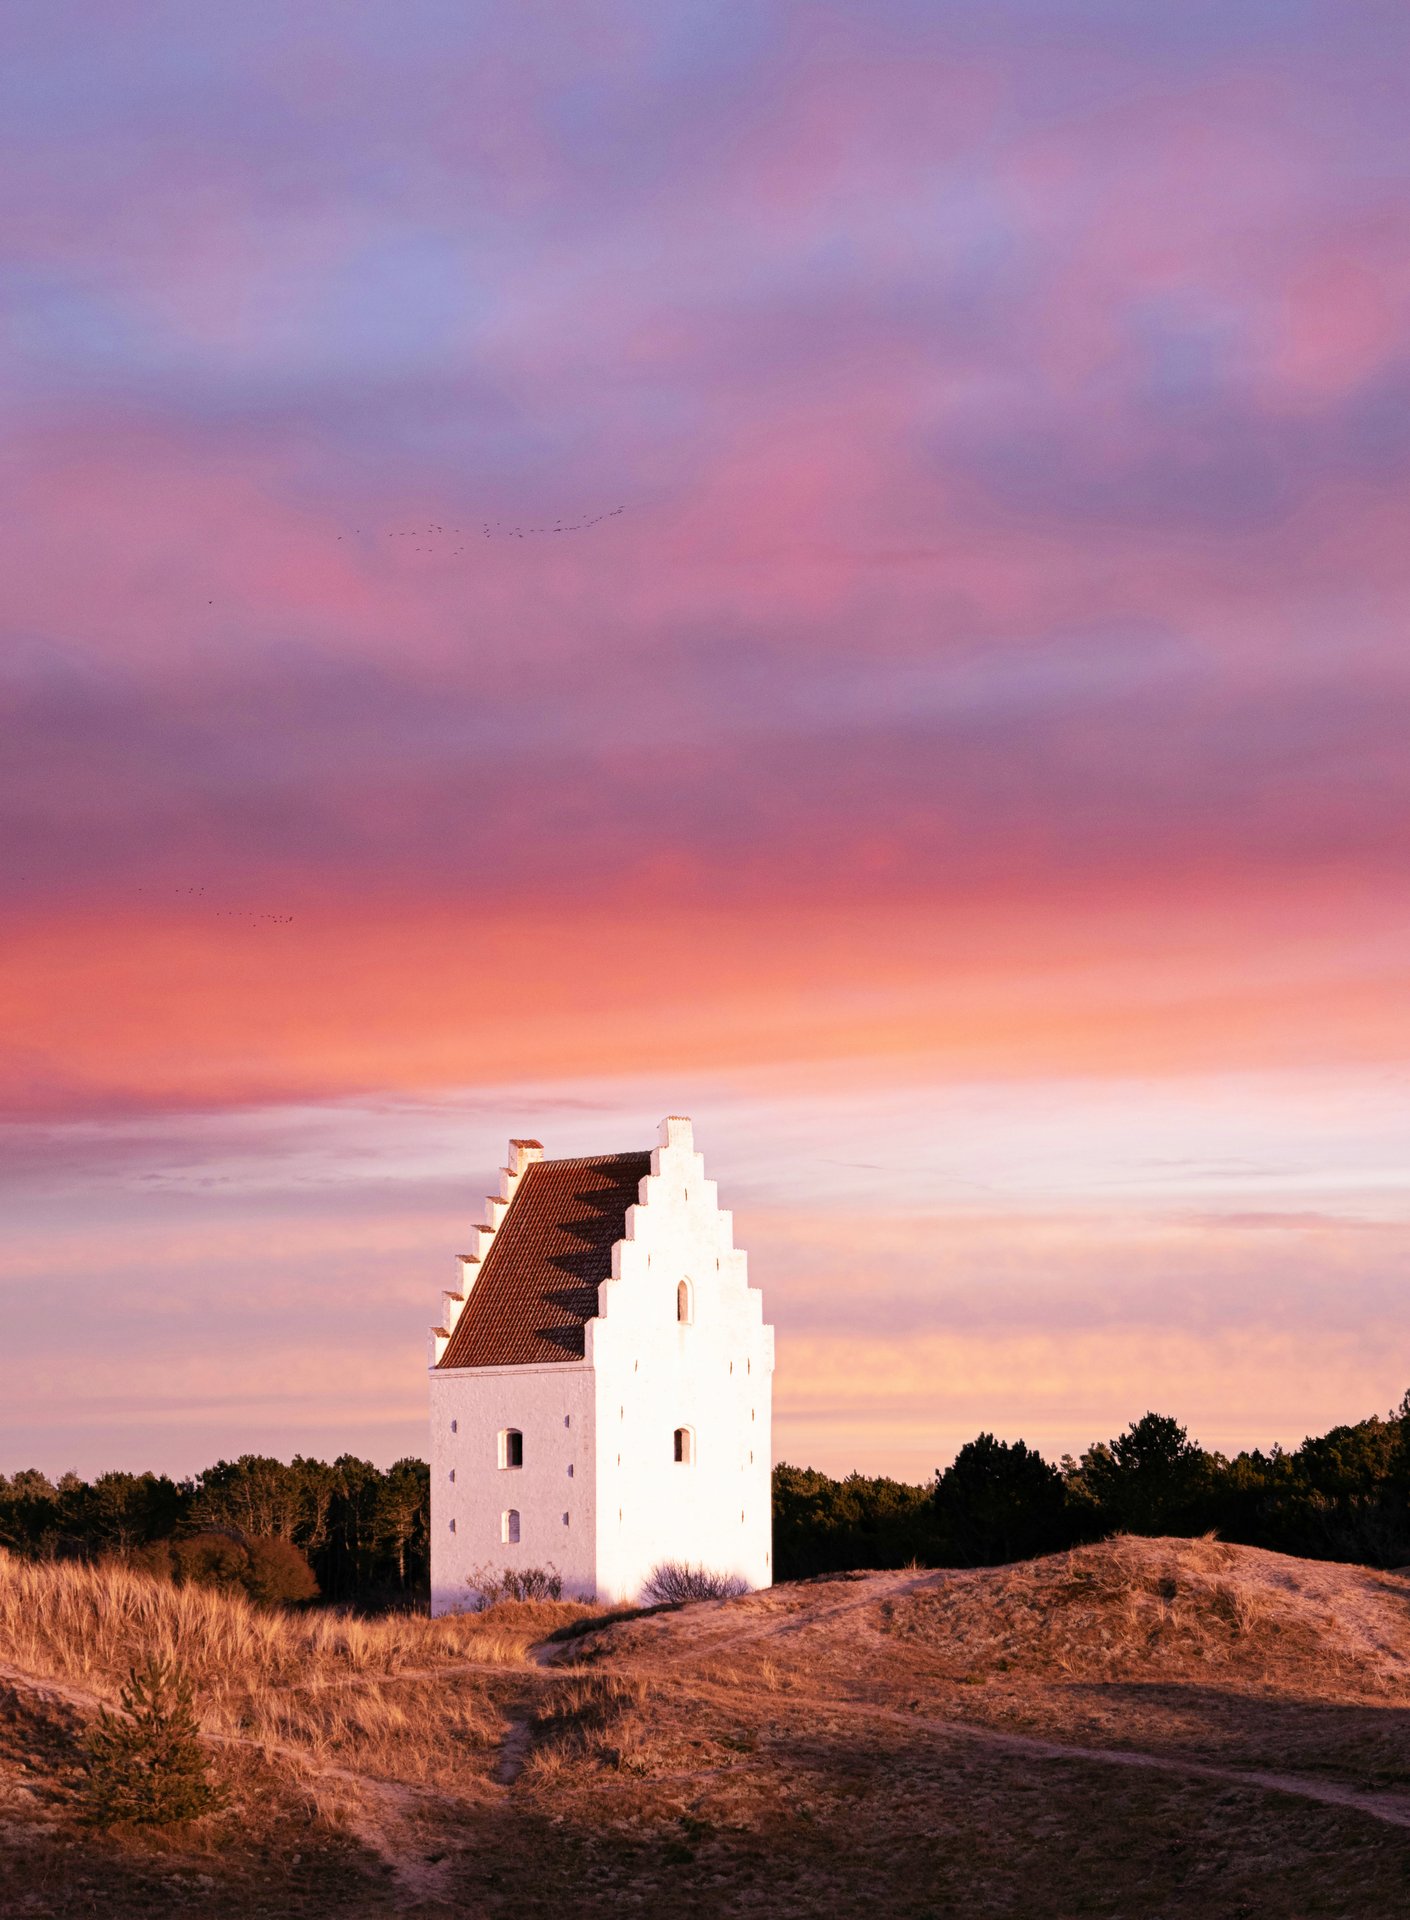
[(209, 1560), (277, 1574), (145, 1765), (270, 1571)]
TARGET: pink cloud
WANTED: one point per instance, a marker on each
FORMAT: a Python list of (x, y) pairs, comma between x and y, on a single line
[(999, 664)]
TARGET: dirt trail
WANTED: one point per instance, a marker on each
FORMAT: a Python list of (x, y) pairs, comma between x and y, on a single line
[(1392, 1808), (693, 1639), (513, 1752)]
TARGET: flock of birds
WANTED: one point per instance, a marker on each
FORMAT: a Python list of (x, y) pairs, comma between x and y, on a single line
[(243, 914), (495, 530)]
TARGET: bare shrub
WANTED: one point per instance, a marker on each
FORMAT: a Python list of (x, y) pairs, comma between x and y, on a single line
[(491, 1586), (675, 1581)]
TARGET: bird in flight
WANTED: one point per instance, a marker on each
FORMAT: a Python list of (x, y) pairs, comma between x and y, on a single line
[(495, 530)]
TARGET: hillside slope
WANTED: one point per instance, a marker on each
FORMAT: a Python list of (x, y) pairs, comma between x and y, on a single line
[(1172, 1728)]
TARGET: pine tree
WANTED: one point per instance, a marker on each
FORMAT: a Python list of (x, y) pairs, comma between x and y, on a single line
[(146, 1765)]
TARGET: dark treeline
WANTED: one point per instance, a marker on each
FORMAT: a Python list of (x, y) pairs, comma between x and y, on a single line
[(1343, 1496), (365, 1532)]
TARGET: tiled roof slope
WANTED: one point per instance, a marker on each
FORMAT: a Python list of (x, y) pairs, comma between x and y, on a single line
[(538, 1283)]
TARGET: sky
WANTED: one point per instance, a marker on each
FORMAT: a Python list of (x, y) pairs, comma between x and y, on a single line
[(837, 569)]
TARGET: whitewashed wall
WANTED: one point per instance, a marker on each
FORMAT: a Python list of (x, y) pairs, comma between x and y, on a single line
[(653, 1375), (552, 1406)]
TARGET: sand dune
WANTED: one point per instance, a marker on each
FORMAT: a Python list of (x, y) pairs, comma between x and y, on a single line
[(1143, 1727)]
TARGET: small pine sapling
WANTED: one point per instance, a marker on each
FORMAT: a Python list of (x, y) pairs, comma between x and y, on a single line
[(145, 1765)]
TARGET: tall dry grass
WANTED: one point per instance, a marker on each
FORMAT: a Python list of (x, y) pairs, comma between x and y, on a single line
[(591, 1716), (380, 1695)]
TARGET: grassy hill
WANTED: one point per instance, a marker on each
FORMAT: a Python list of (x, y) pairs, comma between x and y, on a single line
[(1140, 1728)]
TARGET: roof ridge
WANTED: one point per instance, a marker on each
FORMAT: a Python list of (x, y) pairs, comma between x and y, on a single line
[(594, 1159)]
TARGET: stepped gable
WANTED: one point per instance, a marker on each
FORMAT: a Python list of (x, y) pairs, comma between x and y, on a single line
[(537, 1284)]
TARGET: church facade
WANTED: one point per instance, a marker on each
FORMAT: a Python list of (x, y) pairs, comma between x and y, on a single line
[(601, 1384)]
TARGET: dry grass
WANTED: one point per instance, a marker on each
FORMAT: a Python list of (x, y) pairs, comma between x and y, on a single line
[(860, 1746), (382, 1696), (596, 1717), (1158, 1610), (90, 1623), (1182, 1648)]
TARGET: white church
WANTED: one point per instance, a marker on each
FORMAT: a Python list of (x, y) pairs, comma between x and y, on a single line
[(601, 1385)]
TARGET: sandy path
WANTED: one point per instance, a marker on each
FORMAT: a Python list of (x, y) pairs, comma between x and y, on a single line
[(698, 1638), (1391, 1808)]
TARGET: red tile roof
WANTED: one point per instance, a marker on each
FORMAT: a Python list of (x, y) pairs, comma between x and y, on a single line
[(537, 1285)]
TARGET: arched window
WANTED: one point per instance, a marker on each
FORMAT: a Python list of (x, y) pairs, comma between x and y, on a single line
[(685, 1306), (509, 1527), (511, 1447), (685, 1446)]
